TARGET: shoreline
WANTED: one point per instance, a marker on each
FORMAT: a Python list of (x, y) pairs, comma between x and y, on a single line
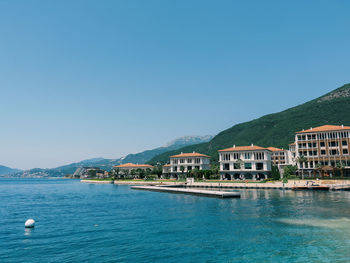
[(290, 185)]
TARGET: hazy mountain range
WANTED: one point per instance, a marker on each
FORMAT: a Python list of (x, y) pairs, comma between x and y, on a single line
[(7, 170), (106, 164), (277, 129)]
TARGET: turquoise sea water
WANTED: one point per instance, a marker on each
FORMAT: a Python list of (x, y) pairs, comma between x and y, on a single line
[(78, 222)]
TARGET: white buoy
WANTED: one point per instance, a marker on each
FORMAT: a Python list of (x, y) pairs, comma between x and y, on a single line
[(29, 223)]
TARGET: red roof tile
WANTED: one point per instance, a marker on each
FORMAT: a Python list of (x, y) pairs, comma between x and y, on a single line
[(325, 128)]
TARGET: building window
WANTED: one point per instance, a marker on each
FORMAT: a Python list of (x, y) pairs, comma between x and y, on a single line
[(189, 160), (322, 144), (182, 160), (175, 168), (333, 152), (344, 143), (197, 160), (323, 152), (236, 166), (345, 151), (226, 166), (248, 166), (189, 168), (247, 156), (196, 167), (236, 156), (333, 144), (261, 156), (226, 157), (259, 166)]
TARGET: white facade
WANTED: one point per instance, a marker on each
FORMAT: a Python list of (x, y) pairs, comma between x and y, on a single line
[(245, 162), (189, 161)]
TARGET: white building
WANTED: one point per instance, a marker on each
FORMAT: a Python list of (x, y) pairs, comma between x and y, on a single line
[(188, 161), (128, 167), (245, 162), (292, 149)]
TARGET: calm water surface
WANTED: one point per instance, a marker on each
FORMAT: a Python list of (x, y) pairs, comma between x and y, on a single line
[(78, 222)]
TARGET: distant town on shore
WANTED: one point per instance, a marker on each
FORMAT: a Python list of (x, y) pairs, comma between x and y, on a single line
[(316, 152)]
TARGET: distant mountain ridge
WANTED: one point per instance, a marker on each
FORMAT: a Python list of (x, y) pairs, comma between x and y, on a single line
[(277, 129), (107, 164), (4, 170)]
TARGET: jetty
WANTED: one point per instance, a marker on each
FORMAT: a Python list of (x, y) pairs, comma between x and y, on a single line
[(191, 191)]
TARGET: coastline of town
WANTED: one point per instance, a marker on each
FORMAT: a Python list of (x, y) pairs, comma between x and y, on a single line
[(317, 159)]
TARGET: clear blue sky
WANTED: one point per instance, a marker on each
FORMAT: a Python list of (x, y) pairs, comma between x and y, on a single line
[(83, 79)]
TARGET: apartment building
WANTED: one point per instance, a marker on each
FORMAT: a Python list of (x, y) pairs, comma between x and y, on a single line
[(323, 146), (245, 162), (188, 161)]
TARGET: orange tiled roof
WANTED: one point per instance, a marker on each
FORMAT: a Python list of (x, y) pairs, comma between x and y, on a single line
[(293, 143), (194, 154), (167, 165), (325, 128), (243, 148), (274, 149), (132, 165)]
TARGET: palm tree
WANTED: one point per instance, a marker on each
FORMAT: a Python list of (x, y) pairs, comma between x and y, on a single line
[(340, 166), (301, 160), (182, 169)]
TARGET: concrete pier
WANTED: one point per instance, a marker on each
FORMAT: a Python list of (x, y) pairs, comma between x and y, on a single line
[(96, 182), (220, 194)]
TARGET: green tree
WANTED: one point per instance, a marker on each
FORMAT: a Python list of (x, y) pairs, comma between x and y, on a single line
[(239, 164), (126, 173), (214, 169), (111, 174), (289, 171), (133, 173), (340, 166), (275, 172), (157, 171), (92, 173), (194, 173)]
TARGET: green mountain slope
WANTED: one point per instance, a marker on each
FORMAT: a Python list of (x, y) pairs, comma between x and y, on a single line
[(7, 170), (276, 129)]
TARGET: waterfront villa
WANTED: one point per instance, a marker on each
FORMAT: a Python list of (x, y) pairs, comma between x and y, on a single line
[(89, 172), (128, 167), (323, 150), (245, 162), (185, 162), (166, 169)]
